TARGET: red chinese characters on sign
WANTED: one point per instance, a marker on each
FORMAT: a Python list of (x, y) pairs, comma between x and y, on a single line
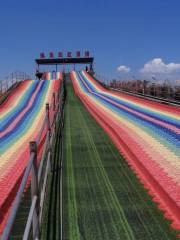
[(78, 54), (42, 55), (69, 54), (51, 55), (87, 54), (60, 54)]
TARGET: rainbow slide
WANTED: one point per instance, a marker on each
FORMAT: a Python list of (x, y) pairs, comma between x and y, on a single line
[(21, 119), (52, 75), (146, 133)]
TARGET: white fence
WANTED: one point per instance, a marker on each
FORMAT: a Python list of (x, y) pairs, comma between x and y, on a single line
[(13, 78)]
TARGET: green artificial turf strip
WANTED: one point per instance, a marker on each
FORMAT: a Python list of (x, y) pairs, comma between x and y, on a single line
[(21, 217), (102, 198)]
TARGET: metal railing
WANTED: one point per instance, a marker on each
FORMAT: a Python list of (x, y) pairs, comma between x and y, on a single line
[(149, 97), (10, 80), (164, 91), (38, 173)]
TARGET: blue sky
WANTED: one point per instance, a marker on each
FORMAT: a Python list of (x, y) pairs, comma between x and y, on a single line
[(117, 32)]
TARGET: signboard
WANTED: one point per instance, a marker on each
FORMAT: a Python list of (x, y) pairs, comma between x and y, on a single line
[(69, 55)]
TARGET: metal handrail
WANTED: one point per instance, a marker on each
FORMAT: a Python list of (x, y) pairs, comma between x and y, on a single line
[(13, 78), (28, 224), (41, 131), (16, 204), (43, 158), (37, 195), (149, 97)]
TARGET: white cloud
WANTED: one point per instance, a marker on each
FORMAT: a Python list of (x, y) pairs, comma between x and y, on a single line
[(158, 66), (123, 69)]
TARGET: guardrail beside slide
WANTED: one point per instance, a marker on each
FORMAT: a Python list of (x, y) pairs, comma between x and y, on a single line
[(149, 97), (12, 79), (36, 171)]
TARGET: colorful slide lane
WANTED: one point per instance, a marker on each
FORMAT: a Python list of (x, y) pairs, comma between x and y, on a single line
[(21, 119), (146, 133), (53, 75)]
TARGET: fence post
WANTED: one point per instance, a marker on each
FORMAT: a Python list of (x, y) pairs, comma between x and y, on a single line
[(35, 191), (48, 119), (1, 86), (54, 101), (58, 96), (6, 85), (49, 131), (48, 124)]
